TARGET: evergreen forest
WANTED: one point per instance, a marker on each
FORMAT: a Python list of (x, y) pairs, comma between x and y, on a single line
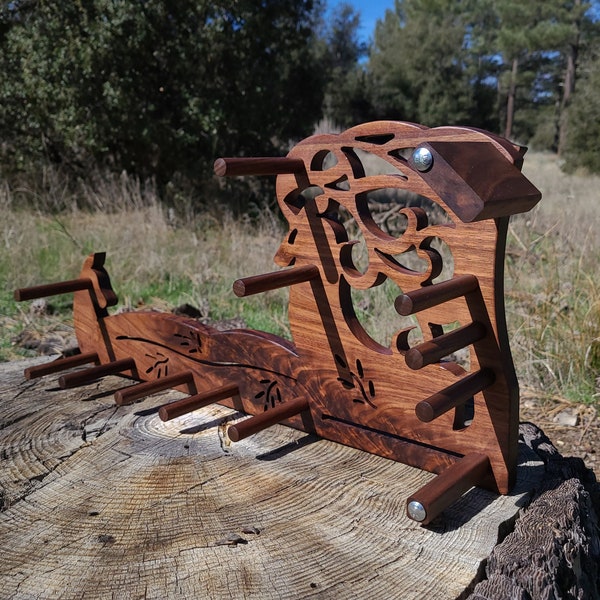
[(159, 89)]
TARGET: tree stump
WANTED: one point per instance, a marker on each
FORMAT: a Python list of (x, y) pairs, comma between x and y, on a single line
[(554, 550), (104, 501)]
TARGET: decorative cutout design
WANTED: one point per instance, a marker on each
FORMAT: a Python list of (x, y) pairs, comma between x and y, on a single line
[(160, 366), (355, 381), (190, 340), (439, 393), (271, 395)]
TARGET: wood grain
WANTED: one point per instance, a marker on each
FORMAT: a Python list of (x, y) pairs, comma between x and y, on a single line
[(257, 284), (103, 501), (52, 289), (360, 391)]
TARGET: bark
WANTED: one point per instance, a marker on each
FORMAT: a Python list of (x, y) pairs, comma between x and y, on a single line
[(569, 81), (554, 550), (510, 101)]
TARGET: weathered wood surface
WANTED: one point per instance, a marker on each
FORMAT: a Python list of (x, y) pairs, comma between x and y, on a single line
[(103, 501), (554, 550)]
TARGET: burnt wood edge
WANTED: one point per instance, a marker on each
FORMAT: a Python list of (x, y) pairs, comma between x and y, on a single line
[(553, 550)]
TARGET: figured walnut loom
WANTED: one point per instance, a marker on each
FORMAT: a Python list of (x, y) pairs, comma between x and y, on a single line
[(412, 400)]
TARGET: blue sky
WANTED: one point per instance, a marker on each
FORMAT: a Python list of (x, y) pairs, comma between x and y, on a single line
[(370, 11)]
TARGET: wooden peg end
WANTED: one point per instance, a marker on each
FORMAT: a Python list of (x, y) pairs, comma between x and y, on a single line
[(220, 167), (187, 405), (253, 425), (60, 364), (432, 295), (141, 390), (52, 289), (94, 373), (454, 395), (224, 167), (272, 281), (434, 350), (434, 497)]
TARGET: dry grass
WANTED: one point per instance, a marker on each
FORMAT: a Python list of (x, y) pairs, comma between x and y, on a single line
[(162, 258), (552, 287), (155, 258)]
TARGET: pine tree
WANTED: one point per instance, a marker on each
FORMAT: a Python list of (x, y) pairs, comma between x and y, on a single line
[(346, 94), (419, 63), (582, 143)]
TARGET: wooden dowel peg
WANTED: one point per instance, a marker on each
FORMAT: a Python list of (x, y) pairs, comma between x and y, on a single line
[(432, 295), (141, 390), (52, 289), (187, 405), (93, 373), (428, 502), (60, 364), (433, 350), (454, 395), (224, 167), (272, 281), (253, 425)]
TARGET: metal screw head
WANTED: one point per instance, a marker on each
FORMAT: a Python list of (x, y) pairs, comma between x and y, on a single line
[(416, 511), (423, 159)]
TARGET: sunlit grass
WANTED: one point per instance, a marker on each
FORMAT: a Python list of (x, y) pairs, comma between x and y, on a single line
[(552, 284), (154, 258), (164, 258), (555, 327)]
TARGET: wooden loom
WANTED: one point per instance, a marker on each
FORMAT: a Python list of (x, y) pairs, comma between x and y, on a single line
[(411, 400)]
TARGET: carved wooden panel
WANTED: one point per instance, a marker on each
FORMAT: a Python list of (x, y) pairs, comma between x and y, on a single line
[(441, 394)]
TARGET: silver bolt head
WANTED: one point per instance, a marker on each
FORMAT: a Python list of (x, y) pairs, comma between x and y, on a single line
[(416, 511), (423, 159)]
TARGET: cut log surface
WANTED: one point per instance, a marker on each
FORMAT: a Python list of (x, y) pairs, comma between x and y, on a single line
[(102, 501)]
